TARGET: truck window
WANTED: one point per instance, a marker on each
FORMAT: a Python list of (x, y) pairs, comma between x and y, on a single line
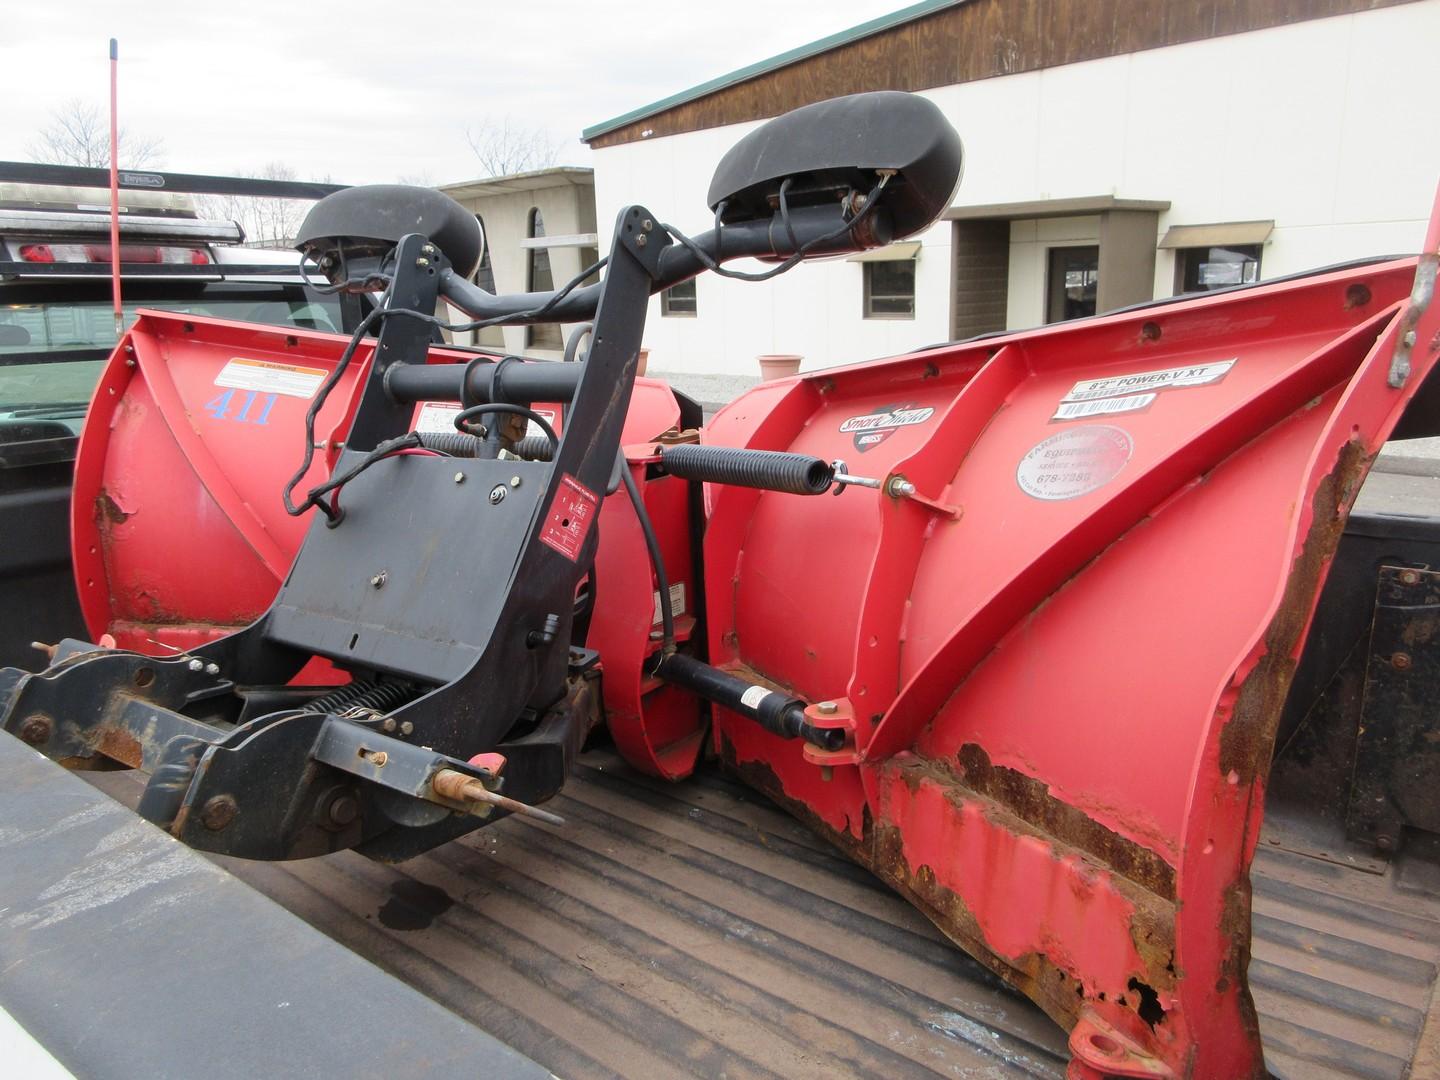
[(55, 337)]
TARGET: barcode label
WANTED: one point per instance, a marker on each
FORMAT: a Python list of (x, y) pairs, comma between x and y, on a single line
[(1075, 410)]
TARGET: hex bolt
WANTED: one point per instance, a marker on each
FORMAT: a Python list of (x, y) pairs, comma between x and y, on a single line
[(218, 812), (1401, 661), (497, 494), (378, 581), (378, 758), (407, 728), (212, 669), (196, 665), (35, 730), (647, 225), (428, 249), (459, 477), (641, 240), (1384, 843), (422, 262), (826, 708), (1409, 577), (388, 724), (514, 481)]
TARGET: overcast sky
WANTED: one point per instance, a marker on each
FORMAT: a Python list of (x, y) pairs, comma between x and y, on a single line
[(367, 91)]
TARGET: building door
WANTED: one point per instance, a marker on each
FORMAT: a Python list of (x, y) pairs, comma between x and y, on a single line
[(1072, 283)]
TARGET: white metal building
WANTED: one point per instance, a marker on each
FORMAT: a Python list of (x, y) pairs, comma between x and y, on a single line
[(1116, 151)]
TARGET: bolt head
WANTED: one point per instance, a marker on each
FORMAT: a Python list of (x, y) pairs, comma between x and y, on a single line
[(459, 477), (1384, 843), (422, 262), (36, 730), (1401, 661), (647, 224), (641, 240), (1409, 577), (212, 669), (218, 812), (826, 708), (497, 494), (388, 724), (343, 809), (378, 581), (407, 728), (514, 481), (196, 665)]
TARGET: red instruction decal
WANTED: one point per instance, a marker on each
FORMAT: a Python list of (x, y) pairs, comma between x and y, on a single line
[(572, 512)]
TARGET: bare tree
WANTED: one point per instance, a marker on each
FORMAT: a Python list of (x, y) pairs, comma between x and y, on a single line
[(505, 148), (268, 222), (79, 134)]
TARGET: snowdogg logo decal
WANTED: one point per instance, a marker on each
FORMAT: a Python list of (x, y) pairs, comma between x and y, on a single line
[(871, 429)]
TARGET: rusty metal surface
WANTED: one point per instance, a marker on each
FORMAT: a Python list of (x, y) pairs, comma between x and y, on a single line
[(694, 929)]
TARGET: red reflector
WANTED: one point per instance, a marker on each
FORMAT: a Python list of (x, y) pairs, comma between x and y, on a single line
[(131, 253), (36, 253), (198, 257)]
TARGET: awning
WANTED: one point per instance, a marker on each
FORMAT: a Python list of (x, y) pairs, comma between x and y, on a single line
[(889, 253), (588, 239), (1221, 234)]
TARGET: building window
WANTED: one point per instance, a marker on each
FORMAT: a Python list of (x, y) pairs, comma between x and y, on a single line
[(589, 256), (485, 278), (1203, 268), (1072, 283), (540, 279), (679, 300), (484, 273), (890, 289)]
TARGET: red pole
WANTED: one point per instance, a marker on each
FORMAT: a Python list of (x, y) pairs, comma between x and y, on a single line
[(115, 191)]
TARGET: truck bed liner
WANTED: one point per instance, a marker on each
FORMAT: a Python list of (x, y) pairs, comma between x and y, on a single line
[(695, 929)]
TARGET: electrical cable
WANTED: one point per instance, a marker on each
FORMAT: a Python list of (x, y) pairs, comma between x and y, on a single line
[(705, 260), (657, 561)]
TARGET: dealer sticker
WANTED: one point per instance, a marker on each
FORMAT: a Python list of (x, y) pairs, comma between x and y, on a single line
[(1074, 462), (572, 513), (1146, 381), (271, 378), (871, 429)]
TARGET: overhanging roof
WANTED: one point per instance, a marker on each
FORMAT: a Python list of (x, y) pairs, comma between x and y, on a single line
[(1043, 208), (560, 176), (1220, 234), (906, 249), (844, 37)]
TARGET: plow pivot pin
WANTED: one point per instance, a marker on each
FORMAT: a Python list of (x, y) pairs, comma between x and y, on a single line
[(458, 787)]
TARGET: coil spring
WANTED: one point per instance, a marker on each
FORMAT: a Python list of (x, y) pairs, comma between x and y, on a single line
[(773, 470), (454, 443), (381, 697)]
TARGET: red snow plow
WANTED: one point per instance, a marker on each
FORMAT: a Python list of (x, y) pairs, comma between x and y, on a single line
[(1012, 621)]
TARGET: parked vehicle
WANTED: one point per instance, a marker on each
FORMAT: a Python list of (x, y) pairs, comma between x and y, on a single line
[(1028, 668), (57, 329)]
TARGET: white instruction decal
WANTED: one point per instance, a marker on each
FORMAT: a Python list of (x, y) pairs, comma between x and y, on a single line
[(752, 698), (532, 428), (1168, 379), (436, 417), (271, 378), (1078, 410), (1074, 462), (677, 602)]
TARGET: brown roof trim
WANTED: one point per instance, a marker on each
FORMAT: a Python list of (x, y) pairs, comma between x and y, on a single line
[(978, 39)]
